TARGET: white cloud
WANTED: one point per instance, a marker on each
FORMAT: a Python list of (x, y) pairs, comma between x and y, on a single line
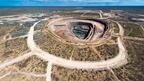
[(92, 0), (80, 0), (42, 0)]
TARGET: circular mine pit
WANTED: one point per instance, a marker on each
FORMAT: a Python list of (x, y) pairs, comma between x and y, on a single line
[(79, 31)]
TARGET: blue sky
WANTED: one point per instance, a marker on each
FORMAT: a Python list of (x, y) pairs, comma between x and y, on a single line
[(71, 2)]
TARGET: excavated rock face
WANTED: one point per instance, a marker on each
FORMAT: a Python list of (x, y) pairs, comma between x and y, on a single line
[(80, 31)]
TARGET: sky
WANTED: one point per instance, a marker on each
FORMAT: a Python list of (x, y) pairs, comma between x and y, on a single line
[(71, 2)]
